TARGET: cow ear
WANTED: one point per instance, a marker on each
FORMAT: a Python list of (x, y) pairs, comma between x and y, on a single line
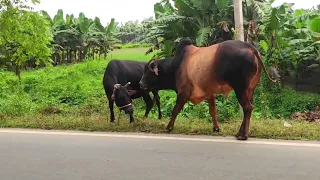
[(155, 69), (132, 92)]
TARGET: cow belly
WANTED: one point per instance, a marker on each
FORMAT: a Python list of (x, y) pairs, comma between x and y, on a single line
[(198, 95), (224, 89)]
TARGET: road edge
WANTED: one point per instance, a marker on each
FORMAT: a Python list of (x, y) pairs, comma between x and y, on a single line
[(177, 137)]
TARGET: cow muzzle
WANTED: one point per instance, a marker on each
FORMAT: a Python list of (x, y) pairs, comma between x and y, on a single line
[(142, 86), (128, 109)]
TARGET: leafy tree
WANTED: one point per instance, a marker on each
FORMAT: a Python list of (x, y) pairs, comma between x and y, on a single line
[(24, 35), (130, 30)]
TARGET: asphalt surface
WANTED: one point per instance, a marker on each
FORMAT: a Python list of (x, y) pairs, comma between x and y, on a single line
[(29, 156)]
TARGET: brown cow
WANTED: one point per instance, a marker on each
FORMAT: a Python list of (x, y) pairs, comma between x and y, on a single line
[(199, 73)]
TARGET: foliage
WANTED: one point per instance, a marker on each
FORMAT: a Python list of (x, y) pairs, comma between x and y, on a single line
[(290, 40), (78, 89), (78, 38), (205, 22), (130, 30), (25, 35)]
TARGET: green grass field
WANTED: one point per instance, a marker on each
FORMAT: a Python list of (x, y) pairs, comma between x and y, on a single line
[(72, 97)]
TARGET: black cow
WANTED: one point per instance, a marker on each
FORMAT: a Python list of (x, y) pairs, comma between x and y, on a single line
[(121, 85), (199, 73)]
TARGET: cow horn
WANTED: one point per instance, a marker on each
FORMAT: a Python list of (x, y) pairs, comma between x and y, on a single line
[(127, 84), (116, 86)]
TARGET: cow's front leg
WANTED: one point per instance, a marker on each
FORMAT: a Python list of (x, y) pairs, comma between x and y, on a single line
[(131, 118), (149, 104), (111, 110), (181, 100), (213, 113)]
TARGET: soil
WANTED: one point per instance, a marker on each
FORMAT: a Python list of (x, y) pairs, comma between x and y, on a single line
[(310, 116)]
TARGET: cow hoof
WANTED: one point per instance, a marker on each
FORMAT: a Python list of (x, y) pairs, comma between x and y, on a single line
[(242, 138), (169, 129), (216, 129), (112, 121), (131, 122), (238, 134)]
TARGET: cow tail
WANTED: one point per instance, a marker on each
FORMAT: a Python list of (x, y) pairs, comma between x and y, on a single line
[(257, 54)]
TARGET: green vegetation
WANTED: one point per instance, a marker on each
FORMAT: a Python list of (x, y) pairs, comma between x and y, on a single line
[(97, 122), (24, 35), (69, 94), (132, 45), (288, 39), (72, 97)]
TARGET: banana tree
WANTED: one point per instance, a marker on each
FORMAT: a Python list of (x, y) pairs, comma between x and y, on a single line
[(290, 39), (202, 21), (65, 35), (103, 36)]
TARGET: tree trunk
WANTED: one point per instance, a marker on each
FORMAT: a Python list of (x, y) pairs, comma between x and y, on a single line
[(238, 19), (58, 57), (18, 73), (80, 55), (63, 57), (70, 56), (67, 61), (75, 55)]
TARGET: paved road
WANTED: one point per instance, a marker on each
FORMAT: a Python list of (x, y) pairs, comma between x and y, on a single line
[(47, 155)]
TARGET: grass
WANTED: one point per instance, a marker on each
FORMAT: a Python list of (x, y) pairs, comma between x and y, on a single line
[(130, 53), (271, 129), (71, 97)]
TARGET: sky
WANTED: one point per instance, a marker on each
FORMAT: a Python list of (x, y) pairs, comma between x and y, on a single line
[(123, 10)]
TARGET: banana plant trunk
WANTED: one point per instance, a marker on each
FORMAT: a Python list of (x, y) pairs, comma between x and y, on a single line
[(75, 55)]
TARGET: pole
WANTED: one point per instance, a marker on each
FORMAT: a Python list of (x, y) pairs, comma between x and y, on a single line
[(238, 19)]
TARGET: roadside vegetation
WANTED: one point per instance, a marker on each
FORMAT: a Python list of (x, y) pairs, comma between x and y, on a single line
[(72, 97), (61, 87)]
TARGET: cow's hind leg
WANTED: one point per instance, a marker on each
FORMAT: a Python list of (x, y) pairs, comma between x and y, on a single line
[(149, 103), (241, 89), (157, 99), (213, 113), (245, 99)]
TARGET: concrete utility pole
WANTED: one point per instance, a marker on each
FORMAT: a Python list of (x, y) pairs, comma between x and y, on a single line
[(238, 19)]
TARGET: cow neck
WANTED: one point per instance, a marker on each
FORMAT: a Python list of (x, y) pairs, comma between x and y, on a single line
[(169, 67)]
